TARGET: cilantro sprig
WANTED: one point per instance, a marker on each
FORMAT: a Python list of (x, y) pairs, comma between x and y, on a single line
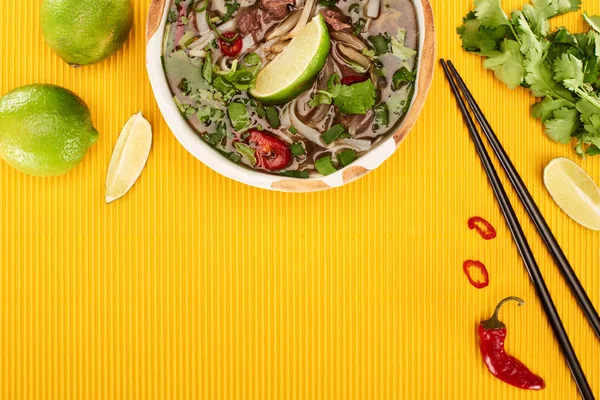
[(560, 67), (349, 99)]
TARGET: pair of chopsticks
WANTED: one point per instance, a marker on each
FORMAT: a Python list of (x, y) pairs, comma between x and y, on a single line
[(458, 86)]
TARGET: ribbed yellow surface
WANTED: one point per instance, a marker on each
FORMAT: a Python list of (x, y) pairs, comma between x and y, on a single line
[(196, 287)]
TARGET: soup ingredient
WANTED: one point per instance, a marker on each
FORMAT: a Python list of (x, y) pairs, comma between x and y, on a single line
[(231, 49), (492, 333), (350, 98), (239, 116), (484, 228), (574, 192), (346, 157), (45, 130), (271, 153), (84, 32), (276, 9), (129, 157), (594, 22), (561, 67), (325, 166), (477, 273), (296, 67), (334, 19)]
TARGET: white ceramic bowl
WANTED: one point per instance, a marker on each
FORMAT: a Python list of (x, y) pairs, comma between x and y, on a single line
[(157, 19)]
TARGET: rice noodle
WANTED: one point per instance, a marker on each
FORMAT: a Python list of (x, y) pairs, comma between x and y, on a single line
[(286, 25), (306, 12), (219, 5), (284, 117), (203, 41), (373, 8), (358, 144), (203, 27), (311, 134), (247, 43)]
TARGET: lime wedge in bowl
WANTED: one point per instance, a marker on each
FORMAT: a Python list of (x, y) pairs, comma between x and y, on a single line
[(574, 192), (294, 69)]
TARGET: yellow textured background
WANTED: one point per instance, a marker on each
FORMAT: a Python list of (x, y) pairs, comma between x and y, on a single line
[(194, 286)]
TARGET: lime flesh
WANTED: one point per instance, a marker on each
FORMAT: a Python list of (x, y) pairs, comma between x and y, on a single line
[(45, 130), (295, 68), (84, 32), (129, 157), (574, 192)]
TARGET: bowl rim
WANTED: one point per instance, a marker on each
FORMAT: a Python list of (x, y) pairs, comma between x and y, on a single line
[(156, 22)]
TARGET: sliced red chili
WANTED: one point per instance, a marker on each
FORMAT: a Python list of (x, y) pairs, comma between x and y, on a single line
[(352, 79), (231, 49), (477, 273), (485, 229), (271, 153)]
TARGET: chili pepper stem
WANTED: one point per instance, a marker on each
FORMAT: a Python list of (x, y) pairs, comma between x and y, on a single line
[(494, 322)]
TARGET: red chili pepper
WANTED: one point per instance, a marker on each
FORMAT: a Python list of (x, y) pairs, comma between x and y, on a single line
[(352, 79), (470, 266), (505, 367), (271, 153), (485, 229), (231, 49)]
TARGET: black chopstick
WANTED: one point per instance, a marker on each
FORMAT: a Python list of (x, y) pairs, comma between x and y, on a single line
[(532, 209), (523, 247)]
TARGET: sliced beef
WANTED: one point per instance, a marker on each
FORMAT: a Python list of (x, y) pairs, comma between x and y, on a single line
[(276, 9), (335, 20), (249, 22)]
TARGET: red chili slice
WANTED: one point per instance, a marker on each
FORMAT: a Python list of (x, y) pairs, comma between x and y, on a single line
[(470, 268), (234, 48), (485, 229), (271, 153), (352, 79)]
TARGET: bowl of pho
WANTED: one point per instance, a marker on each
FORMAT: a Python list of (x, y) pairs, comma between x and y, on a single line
[(291, 95)]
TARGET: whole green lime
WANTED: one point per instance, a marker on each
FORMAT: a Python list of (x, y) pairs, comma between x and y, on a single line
[(45, 130), (84, 32)]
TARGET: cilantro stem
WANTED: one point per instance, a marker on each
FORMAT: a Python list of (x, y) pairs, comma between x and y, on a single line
[(216, 30)]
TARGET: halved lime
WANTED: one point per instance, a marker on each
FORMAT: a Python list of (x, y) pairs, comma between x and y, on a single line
[(574, 192), (295, 68), (594, 22)]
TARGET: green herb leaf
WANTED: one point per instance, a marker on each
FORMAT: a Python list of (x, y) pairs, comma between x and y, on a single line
[(398, 47), (381, 44), (490, 13), (403, 75), (357, 98), (207, 69), (272, 117), (563, 125), (507, 64), (238, 114), (246, 151), (382, 114), (217, 136)]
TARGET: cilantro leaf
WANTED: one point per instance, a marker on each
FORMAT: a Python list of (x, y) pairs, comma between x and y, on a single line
[(593, 21), (479, 39), (398, 47), (568, 69), (507, 64), (357, 98), (545, 109), (490, 13), (564, 123)]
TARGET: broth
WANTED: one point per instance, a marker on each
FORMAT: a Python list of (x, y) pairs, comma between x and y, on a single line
[(214, 50)]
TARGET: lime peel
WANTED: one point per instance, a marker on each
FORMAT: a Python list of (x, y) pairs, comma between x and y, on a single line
[(295, 68)]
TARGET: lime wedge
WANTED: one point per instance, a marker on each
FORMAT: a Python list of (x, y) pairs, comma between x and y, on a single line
[(594, 22), (129, 157), (574, 192), (294, 69)]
